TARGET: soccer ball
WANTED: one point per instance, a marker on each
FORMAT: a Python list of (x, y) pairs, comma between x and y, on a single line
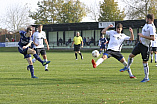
[(95, 53)]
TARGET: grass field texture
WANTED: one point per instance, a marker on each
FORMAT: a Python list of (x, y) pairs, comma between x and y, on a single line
[(71, 81)]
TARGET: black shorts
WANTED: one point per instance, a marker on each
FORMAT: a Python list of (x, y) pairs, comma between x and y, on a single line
[(154, 49), (77, 47), (115, 54), (144, 50), (40, 51)]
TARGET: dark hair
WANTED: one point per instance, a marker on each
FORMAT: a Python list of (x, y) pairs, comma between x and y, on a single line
[(119, 25), (29, 29), (150, 16)]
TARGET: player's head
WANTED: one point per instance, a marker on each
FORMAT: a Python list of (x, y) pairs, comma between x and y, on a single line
[(29, 31), (77, 34), (102, 36), (40, 27), (119, 28), (149, 18)]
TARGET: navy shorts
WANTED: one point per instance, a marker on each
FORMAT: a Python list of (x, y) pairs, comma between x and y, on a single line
[(40, 51), (103, 47), (24, 52), (115, 54), (144, 50)]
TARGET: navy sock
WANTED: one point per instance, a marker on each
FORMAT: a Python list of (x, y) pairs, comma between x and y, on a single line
[(31, 70), (76, 55), (38, 58)]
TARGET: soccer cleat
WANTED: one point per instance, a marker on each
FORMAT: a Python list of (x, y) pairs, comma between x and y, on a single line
[(133, 77), (34, 77), (28, 68), (46, 62), (82, 57), (155, 62), (46, 70), (94, 63), (145, 80), (124, 69), (76, 59)]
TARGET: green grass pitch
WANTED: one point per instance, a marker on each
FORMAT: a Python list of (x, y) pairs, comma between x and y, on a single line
[(71, 81)]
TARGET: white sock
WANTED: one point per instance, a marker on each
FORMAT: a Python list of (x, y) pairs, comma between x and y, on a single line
[(130, 73), (46, 66), (125, 63), (130, 61), (99, 61), (151, 56), (146, 70), (156, 57), (33, 60)]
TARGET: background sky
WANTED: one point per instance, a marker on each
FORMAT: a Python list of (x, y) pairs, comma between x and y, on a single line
[(33, 4)]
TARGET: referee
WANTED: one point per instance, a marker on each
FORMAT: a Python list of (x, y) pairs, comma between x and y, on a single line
[(77, 41)]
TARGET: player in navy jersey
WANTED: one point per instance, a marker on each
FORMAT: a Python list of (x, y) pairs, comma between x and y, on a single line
[(24, 44), (102, 42)]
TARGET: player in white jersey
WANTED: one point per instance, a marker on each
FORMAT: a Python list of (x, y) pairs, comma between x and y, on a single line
[(115, 45), (143, 47), (38, 38), (154, 49)]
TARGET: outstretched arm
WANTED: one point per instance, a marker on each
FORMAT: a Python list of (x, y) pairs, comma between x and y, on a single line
[(132, 33), (105, 29)]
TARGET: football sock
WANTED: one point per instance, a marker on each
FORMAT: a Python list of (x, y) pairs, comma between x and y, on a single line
[(33, 60), (76, 55), (99, 61), (80, 54), (130, 73), (156, 57), (46, 66), (31, 70), (130, 60), (146, 70), (38, 58), (99, 52), (152, 56), (125, 63)]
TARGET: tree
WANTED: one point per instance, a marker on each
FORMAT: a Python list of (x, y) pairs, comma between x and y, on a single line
[(58, 11), (138, 9), (17, 17), (109, 11)]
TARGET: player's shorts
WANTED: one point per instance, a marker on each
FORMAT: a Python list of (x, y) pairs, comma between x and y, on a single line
[(77, 47), (103, 47), (144, 50), (115, 54), (154, 49), (24, 52), (41, 51)]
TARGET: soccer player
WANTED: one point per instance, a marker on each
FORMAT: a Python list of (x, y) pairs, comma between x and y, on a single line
[(38, 44), (114, 46), (77, 42), (143, 47), (102, 42), (154, 49), (24, 44)]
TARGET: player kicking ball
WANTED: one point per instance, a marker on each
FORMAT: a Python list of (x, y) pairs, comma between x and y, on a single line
[(24, 44), (114, 46)]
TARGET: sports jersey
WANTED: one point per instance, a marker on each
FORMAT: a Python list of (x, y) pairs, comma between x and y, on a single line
[(154, 43), (102, 41), (147, 30), (116, 40), (24, 40), (77, 40), (38, 39)]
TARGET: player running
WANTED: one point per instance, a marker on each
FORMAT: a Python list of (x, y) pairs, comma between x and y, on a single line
[(115, 45), (23, 48), (38, 38), (102, 42), (143, 47)]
